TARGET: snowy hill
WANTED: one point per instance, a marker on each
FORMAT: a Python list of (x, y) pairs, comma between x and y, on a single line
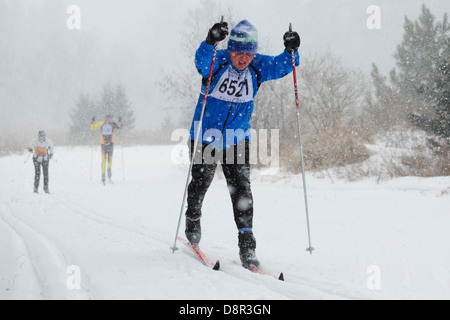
[(373, 241)]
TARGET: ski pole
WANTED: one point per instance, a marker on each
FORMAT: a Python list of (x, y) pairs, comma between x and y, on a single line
[(29, 154), (121, 149), (92, 146), (310, 248), (197, 134)]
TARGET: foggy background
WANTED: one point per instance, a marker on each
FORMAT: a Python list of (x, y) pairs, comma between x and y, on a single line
[(44, 66)]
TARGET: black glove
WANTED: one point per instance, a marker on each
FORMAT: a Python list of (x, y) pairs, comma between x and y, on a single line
[(30, 149), (217, 33), (291, 41)]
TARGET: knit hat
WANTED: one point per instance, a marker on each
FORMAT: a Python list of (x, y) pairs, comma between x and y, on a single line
[(243, 38)]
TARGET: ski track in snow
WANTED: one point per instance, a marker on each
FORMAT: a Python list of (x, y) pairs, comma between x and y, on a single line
[(15, 267), (119, 235), (43, 257)]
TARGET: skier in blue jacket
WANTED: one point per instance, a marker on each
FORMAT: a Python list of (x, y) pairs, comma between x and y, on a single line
[(237, 75)]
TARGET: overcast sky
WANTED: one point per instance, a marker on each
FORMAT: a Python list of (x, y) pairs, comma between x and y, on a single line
[(338, 25)]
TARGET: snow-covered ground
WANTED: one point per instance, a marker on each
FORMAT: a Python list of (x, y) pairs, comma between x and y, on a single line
[(373, 241)]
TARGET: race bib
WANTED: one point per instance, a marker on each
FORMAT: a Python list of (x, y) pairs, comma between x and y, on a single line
[(107, 129), (234, 86)]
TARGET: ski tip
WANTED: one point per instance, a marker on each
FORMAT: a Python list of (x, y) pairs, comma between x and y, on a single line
[(290, 26), (217, 266), (281, 277)]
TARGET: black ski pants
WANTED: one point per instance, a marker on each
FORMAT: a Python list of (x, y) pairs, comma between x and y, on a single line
[(37, 172), (236, 168)]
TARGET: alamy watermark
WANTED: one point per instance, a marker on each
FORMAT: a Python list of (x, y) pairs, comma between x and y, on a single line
[(374, 280), (373, 22), (262, 151), (73, 22), (73, 282)]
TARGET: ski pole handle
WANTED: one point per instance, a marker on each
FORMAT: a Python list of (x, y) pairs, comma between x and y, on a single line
[(294, 72), (208, 83)]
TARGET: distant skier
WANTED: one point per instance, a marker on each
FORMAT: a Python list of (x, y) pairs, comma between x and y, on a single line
[(225, 133), (43, 151), (107, 129)]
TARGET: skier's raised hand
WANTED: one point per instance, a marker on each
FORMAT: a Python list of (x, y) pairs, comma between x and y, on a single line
[(217, 33), (291, 41)]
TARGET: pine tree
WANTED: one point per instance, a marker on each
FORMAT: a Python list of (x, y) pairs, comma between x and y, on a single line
[(81, 117), (423, 60), (121, 107), (113, 101)]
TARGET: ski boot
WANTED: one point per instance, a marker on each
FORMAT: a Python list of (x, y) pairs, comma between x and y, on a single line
[(193, 231), (247, 246)]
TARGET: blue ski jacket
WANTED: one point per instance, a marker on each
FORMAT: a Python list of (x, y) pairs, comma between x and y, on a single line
[(229, 105)]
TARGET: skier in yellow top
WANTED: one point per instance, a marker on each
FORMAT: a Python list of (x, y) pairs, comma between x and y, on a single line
[(107, 129)]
